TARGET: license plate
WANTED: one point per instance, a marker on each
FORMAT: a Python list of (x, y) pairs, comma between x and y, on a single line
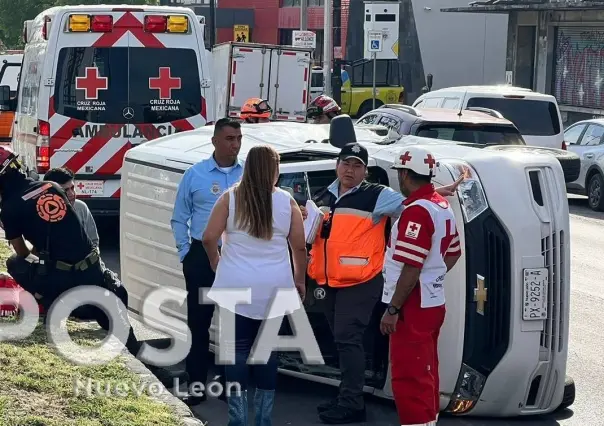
[(536, 282), (90, 187)]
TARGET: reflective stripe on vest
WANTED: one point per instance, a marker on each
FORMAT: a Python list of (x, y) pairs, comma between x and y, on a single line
[(354, 252)]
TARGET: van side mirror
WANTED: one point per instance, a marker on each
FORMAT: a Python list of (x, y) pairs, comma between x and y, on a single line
[(341, 131), (6, 103), (429, 81)]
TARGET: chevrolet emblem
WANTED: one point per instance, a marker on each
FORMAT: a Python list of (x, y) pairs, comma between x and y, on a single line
[(480, 294)]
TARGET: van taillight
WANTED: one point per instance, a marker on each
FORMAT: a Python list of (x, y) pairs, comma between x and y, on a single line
[(43, 128), (43, 147), (101, 23), (564, 145), (42, 159)]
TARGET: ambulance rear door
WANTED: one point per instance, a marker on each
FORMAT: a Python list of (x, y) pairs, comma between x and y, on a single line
[(121, 82)]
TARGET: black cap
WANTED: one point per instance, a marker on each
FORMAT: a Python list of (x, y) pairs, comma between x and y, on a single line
[(354, 150)]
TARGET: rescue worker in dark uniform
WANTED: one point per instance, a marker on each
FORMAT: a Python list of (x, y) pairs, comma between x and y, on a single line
[(63, 256)]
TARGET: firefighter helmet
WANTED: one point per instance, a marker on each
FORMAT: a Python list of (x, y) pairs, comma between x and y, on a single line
[(418, 159), (323, 104), (256, 108)]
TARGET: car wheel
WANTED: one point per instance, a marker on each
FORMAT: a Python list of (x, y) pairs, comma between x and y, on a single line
[(595, 193), (569, 394), (368, 106)]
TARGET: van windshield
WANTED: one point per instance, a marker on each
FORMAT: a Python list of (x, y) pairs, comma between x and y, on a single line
[(479, 134), (121, 84), (532, 118)]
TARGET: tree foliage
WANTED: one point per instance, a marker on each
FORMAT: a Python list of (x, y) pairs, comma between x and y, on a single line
[(14, 12)]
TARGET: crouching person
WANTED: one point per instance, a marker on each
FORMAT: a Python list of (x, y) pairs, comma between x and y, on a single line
[(260, 220), (65, 257)]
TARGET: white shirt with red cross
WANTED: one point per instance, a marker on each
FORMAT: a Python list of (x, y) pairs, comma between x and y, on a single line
[(424, 235)]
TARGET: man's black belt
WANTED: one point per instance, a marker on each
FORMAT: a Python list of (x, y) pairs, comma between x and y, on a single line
[(82, 265)]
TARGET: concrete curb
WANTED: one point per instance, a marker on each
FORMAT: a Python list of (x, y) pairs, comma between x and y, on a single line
[(180, 409)]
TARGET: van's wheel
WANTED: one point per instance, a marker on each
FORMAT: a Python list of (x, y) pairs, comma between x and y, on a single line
[(368, 106), (569, 394), (595, 192)]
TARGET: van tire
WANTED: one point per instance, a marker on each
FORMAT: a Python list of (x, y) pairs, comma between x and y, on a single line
[(595, 192), (569, 394), (569, 161), (571, 164), (368, 106)]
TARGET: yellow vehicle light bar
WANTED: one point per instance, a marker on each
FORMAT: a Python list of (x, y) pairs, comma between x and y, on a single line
[(178, 24), (79, 23)]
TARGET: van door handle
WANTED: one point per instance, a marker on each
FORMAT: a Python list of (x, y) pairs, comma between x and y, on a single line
[(590, 156)]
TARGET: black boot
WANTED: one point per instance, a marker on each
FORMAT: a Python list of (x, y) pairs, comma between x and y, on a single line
[(328, 405), (339, 415)]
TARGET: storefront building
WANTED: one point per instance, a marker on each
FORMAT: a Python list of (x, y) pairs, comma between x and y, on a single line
[(271, 21), (555, 48)]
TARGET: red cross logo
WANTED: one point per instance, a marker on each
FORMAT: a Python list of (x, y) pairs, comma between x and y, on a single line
[(91, 83), (430, 161), (80, 185), (405, 158), (164, 83), (414, 227)]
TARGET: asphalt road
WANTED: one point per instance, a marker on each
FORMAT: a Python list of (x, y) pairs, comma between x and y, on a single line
[(297, 399)]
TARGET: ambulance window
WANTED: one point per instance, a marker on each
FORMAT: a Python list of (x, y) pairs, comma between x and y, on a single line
[(120, 84), (30, 86)]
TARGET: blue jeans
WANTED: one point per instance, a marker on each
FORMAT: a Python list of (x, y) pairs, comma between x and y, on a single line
[(264, 375)]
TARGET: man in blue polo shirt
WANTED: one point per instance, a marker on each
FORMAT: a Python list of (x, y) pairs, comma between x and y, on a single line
[(198, 191)]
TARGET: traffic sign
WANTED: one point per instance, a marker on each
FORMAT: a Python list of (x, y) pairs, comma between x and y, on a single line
[(306, 39), (374, 39)]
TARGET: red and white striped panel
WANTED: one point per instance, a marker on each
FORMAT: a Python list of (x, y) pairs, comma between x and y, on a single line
[(234, 80)]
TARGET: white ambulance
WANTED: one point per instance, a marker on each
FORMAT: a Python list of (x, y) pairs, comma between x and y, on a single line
[(97, 80), (503, 347)]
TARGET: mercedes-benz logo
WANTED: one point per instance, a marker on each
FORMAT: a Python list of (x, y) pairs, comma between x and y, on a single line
[(319, 293), (128, 113)]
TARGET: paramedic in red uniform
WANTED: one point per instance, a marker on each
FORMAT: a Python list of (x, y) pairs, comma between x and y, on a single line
[(424, 246)]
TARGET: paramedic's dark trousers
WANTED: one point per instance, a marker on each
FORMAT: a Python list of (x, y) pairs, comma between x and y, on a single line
[(198, 274), (349, 311), (56, 281)]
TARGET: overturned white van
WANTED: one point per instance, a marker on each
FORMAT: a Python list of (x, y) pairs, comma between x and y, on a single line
[(505, 339)]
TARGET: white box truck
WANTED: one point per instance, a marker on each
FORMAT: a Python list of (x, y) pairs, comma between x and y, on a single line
[(279, 74)]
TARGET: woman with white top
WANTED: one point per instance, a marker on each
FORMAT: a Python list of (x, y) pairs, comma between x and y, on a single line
[(257, 221)]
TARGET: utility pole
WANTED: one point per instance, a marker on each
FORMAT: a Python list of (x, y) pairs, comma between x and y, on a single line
[(336, 84), (327, 47), (212, 24), (303, 15)]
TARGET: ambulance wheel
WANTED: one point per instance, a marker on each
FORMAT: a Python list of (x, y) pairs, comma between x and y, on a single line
[(368, 106), (595, 192), (569, 394)]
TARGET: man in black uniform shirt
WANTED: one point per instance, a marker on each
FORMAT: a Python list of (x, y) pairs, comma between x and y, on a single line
[(63, 255)]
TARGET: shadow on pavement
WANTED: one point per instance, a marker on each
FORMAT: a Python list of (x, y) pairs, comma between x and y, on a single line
[(578, 205)]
